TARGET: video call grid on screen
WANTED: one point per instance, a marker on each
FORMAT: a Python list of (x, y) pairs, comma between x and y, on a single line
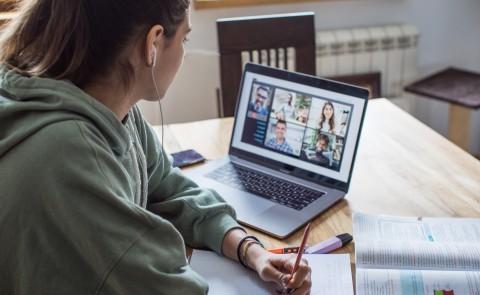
[(312, 134), (304, 126)]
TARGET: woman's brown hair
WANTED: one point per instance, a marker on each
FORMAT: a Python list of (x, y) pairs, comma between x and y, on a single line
[(81, 40)]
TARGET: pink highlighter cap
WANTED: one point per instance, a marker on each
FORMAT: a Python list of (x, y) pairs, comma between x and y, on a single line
[(330, 245)]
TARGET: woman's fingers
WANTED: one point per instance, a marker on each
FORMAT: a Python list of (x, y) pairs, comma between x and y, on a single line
[(283, 261), (272, 274), (300, 276), (278, 270), (289, 261), (304, 289)]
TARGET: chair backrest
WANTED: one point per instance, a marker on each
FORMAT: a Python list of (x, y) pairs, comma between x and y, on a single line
[(267, 40)]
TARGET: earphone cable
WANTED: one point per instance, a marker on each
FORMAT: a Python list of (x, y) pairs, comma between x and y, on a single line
[(158, 98)]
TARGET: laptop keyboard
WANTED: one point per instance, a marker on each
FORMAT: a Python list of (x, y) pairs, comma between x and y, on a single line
[(274, 189)]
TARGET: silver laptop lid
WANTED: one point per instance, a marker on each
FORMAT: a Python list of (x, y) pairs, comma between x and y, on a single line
[(302, 125)]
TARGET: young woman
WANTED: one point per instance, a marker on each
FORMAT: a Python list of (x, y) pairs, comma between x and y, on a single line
[(287, 110), (327, 118), (90, 202)]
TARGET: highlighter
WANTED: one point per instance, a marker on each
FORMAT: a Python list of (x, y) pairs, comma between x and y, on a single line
[(330, 245)]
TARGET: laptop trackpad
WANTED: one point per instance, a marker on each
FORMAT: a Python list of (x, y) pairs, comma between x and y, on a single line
[(246, 205)]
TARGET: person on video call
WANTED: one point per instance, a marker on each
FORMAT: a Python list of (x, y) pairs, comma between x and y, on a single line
[(279, 142), (323, 154), (302, 115), (327, 118), (90, 203), (261, 97), (287, 110)]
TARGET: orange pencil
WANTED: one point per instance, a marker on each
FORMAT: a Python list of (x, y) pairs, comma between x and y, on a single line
[(287, 250)]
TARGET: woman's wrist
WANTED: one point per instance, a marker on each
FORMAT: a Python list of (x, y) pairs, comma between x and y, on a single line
[(234, 246), (231, 240), (243, 246), (254, 256)]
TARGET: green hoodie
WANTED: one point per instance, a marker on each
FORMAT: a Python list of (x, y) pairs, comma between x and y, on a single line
[(91, 205)]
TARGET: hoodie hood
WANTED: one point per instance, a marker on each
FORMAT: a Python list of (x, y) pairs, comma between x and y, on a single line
[(28, 104)]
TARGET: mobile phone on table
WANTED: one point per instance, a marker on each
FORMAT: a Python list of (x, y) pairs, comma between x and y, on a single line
[(186, 158)]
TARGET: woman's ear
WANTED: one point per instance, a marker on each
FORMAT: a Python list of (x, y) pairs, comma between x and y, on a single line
[(153, 44)]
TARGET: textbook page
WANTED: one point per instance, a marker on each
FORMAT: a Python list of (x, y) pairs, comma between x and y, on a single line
[(449, 230), (408, 282), (331, 274), (417, 255)]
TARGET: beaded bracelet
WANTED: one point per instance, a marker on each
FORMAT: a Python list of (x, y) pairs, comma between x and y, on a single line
[(239, 248)]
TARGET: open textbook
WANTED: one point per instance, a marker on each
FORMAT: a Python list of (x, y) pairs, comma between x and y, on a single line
[(331, 275), (416, 256)]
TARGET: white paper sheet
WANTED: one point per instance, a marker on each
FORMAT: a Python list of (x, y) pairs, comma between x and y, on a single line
[(331, 274)]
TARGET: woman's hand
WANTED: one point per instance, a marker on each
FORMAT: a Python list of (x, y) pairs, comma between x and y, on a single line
[(270, 267), (278, 267)]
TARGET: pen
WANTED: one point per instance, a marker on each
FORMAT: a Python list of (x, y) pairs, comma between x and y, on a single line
[(330, 245), (301, 250)]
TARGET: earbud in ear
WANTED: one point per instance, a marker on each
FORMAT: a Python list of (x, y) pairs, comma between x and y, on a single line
[(154, 56)]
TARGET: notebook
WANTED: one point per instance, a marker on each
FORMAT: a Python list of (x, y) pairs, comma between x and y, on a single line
[(331, 274)]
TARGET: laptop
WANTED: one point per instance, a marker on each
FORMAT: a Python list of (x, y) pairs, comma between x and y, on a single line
[(292, 148)]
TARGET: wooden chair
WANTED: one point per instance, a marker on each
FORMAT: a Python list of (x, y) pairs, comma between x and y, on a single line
[(284, 41)]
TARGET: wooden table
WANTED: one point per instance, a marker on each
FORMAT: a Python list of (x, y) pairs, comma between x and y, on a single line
[(403, 168)]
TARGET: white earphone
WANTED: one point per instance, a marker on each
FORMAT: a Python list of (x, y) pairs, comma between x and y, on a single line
[(154, 56)]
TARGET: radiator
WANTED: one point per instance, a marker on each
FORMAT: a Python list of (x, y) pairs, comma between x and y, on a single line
[(390, 50)]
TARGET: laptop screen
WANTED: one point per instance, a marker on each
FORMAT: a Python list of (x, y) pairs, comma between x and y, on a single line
[(307, 127)]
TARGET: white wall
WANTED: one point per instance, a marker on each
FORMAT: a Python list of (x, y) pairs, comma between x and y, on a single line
[(449, 28), (450, 35)]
